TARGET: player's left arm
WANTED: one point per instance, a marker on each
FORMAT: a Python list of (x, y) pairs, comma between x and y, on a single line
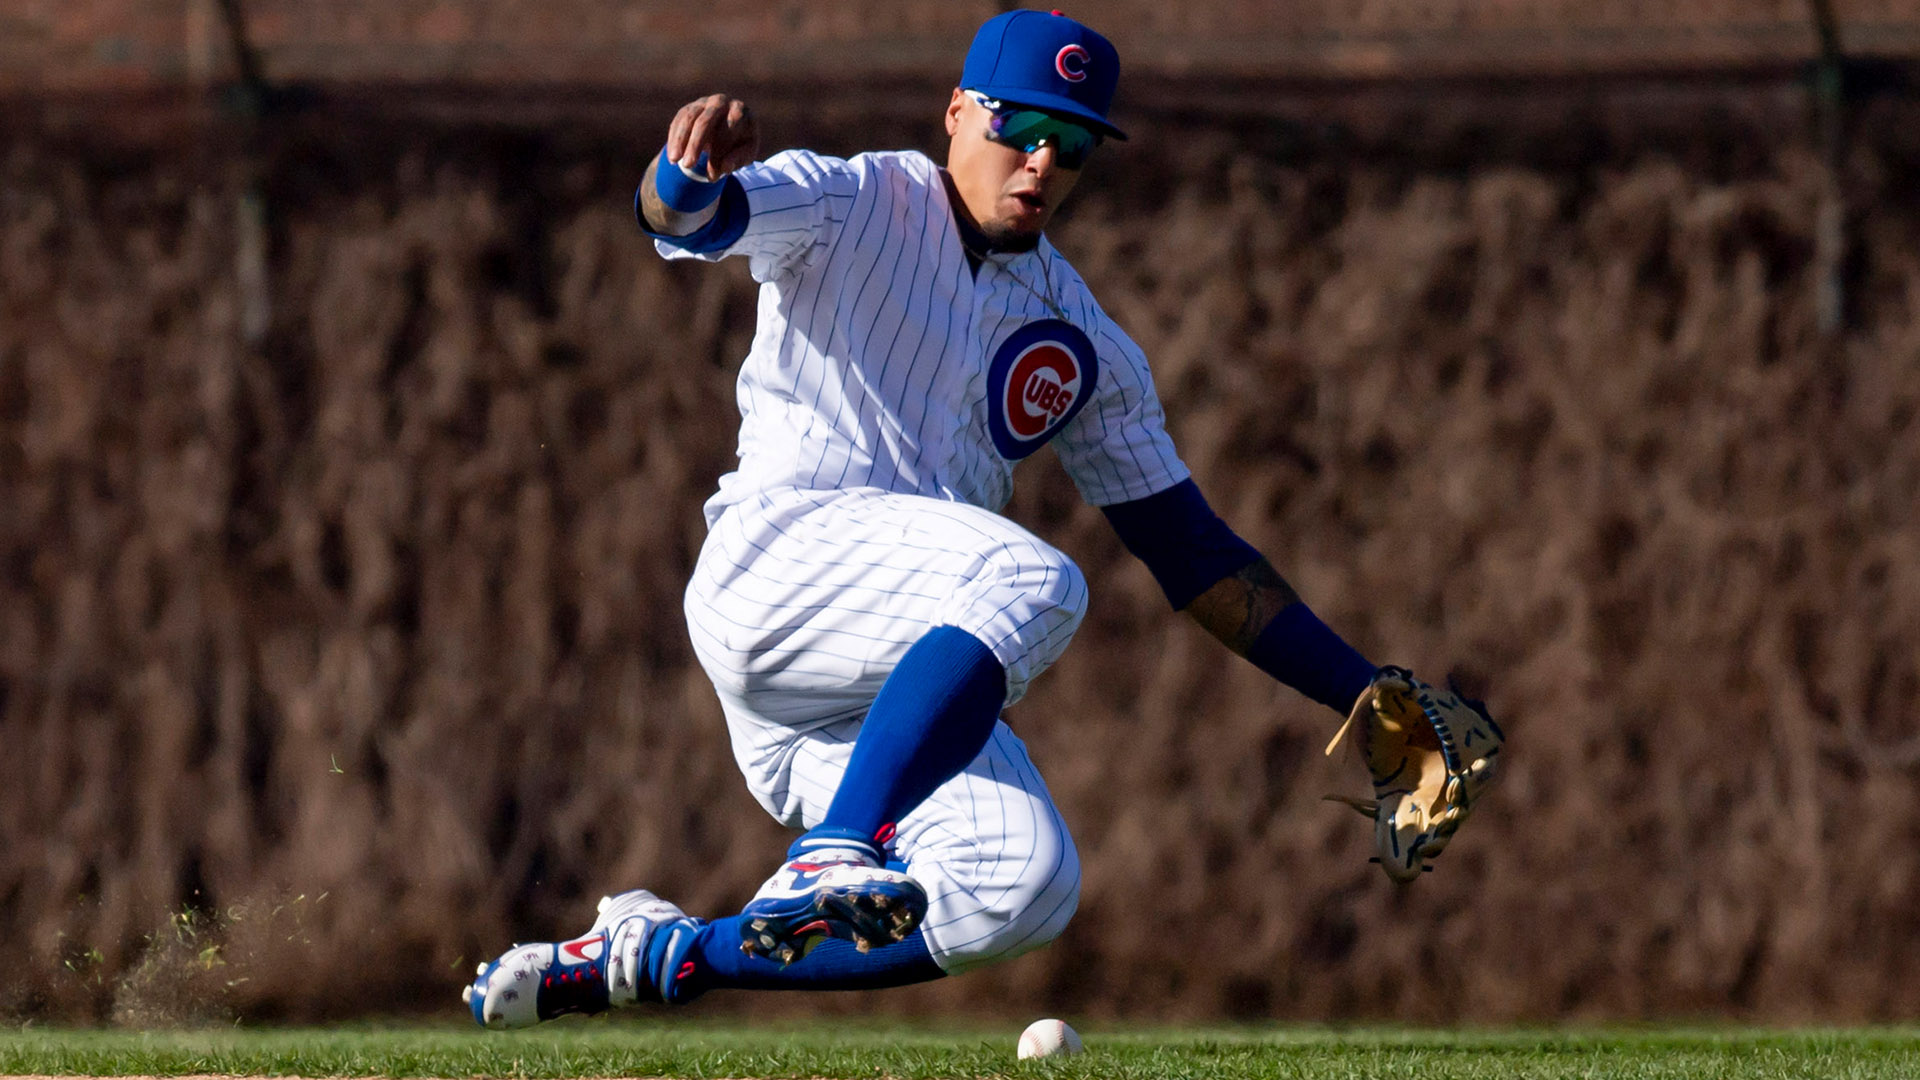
[(1120, 456), (1238, 607), (1429, 752), (1223, 583)]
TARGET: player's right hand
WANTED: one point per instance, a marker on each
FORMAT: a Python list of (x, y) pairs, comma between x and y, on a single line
[(718, 126)]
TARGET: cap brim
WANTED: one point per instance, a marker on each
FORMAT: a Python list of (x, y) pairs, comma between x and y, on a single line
[(1054, 103)]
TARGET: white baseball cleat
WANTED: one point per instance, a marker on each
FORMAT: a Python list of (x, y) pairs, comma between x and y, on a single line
[(830, 886), (605, 968)]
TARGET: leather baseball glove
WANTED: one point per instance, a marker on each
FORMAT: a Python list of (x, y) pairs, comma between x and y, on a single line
[(1431, 753)]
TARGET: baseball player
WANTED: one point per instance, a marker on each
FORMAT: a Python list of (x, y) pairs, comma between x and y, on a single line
[(864, 611)]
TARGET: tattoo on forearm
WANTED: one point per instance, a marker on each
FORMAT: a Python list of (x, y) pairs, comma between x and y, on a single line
[(1238, 607)]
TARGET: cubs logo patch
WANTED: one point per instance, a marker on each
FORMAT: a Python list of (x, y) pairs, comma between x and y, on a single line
[(1039, 378), (1071, 62)]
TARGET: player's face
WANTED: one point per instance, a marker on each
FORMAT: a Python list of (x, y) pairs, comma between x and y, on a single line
[(1011, 194)]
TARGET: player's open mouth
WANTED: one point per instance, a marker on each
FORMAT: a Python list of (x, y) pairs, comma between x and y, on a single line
[(1031, 200)]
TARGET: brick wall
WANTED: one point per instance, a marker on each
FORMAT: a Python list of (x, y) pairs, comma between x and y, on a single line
[(67, 45)]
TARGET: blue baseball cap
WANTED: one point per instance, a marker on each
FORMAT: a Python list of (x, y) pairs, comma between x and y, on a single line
[(1045, 61)]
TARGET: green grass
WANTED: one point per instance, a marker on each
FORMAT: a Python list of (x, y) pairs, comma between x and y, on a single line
[(637, 1048)]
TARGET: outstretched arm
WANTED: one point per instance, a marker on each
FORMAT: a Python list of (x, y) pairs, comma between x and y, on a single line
[(1254, 612), (1430, 752), (1232, 591)]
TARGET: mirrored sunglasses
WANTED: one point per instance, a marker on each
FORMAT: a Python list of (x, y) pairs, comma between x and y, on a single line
[(1027, 130)]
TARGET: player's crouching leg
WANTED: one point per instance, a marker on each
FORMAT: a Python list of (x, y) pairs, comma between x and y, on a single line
[(1008, 888), (1024, 602), (1016, 906)]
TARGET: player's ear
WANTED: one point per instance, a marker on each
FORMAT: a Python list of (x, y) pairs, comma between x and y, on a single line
[(955, 106)]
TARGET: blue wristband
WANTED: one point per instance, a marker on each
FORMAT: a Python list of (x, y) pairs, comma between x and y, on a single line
[(682, 192)]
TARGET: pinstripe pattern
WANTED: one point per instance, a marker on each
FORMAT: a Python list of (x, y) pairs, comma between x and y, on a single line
[(1000, 869), (800, 606), (863, 512), (868, 366), (803, 606)]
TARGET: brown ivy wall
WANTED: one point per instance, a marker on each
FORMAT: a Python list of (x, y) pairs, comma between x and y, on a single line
[(68, 45), (331, 665)]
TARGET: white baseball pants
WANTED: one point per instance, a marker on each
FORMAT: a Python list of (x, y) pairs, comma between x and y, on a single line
[(800, 606)]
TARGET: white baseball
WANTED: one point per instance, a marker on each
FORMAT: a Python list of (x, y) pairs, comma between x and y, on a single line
[(1045, 1038)]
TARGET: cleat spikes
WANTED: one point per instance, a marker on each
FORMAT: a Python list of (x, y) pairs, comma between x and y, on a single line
[(868, 907), (466, 994), (481, 970)]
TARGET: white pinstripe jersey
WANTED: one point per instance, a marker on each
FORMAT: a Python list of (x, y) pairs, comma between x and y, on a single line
[(881, 361)]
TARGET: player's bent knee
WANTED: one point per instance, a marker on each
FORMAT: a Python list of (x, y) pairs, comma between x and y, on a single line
[(1064, 588), (1057, 598), (1026, 608), (1029, 910), (1047, 914)]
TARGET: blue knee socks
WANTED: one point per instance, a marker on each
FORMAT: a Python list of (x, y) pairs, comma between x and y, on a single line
[(931, 718), (716, 962)]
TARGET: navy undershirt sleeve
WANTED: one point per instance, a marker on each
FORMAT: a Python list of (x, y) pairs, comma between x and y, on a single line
[(720, 232), (1189, 550), (1299, 650), (1182, 541)]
